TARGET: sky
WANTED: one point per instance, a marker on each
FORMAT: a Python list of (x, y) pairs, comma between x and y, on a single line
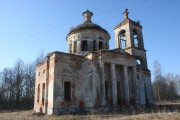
[(31, 27)]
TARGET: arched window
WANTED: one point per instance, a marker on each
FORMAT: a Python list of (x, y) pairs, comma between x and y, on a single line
[(138, 62), (75, 46), (44, 71), (39, 74), (135, 37), (122, 39), (43, 93), (100, 38)]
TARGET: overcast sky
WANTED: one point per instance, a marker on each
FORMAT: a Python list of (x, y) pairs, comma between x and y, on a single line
[(28, 27)]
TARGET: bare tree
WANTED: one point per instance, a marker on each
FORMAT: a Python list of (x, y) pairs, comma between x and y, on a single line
[(17, 86), (40, 57), (165, 87), (157, 80), (177, 79)]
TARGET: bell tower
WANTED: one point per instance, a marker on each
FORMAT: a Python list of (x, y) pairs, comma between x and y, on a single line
[(128, 36)]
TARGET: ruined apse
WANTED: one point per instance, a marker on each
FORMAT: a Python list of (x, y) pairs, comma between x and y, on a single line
[(91, 77)]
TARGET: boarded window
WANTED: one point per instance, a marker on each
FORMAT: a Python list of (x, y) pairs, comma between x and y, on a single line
[(43, 93), (94, 45), (75, 46), (67, 91), (84, 45), (100, 45)]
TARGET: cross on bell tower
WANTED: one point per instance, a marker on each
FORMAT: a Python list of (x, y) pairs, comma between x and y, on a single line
[(126, 14)]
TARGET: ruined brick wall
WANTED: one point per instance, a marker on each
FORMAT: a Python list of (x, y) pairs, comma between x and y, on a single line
[(44, 84), (83, 76), (40, 79)]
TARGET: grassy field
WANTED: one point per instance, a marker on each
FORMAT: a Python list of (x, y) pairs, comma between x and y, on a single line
[(30, 115)]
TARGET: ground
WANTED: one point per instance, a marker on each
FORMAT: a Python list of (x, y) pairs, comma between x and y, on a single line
[(30, 115)]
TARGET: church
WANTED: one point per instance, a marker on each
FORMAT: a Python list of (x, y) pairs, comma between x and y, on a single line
[(91, 76)]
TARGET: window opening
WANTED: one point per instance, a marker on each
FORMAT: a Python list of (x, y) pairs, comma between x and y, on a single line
[(84, 45), (43, 93), (106, 47), (44, 71), (67, 91), (123, 39), (135, 37), (75, 46), (94, 45), (138, 77), (100, 45), (138, 62)]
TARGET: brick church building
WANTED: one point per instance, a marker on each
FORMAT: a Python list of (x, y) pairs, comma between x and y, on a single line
[(91, 76)]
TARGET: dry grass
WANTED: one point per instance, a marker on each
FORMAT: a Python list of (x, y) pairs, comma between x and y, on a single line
[(168, 102), (30, 115)]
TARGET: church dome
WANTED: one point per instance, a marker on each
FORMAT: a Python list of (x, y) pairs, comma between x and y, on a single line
[(87, 37)]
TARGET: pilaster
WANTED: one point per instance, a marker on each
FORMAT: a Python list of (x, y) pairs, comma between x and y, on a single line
[(114, 84), (102, 85)]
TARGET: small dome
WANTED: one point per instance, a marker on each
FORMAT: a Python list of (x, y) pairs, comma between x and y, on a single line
[(87, 25)]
